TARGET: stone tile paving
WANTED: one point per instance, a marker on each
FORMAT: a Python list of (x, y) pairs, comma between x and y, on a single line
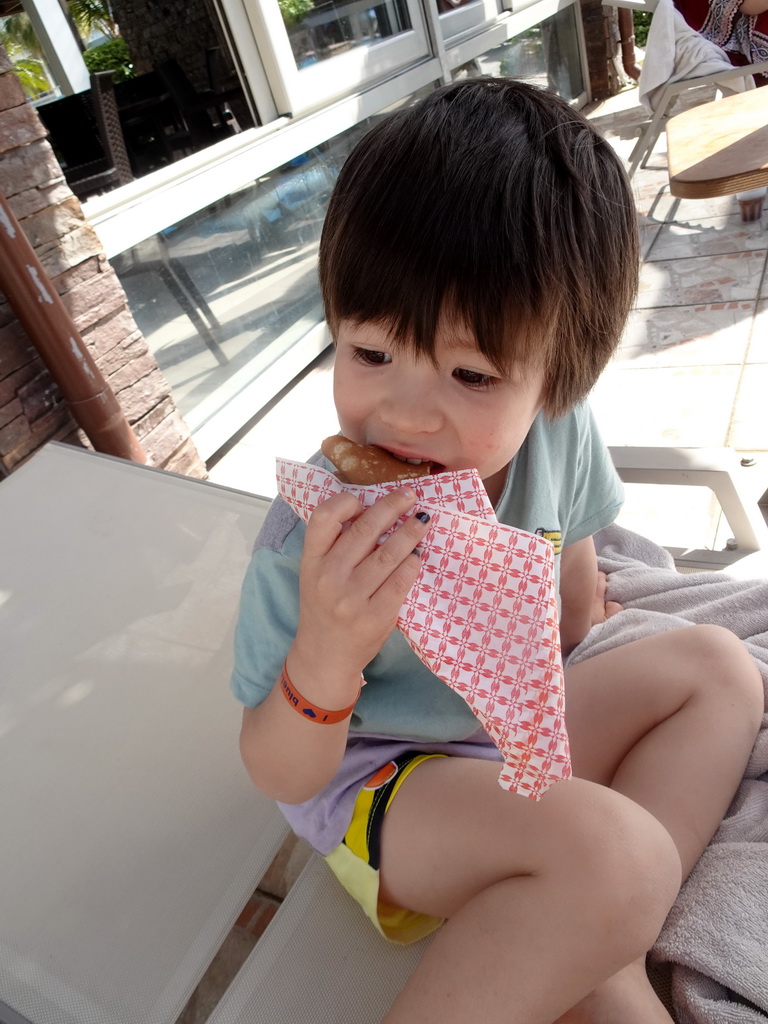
[(691, 369), (695, 279)]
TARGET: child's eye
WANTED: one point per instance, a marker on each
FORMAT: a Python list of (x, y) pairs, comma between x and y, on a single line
[(474, 379), (371, 357)]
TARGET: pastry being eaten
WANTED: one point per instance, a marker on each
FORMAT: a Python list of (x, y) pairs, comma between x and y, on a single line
[(367, 464)]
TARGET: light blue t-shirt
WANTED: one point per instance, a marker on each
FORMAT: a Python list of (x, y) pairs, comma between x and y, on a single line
[(561, 484)]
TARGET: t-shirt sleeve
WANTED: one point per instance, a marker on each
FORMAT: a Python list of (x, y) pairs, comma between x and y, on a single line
[(269, 607), (597, 492)]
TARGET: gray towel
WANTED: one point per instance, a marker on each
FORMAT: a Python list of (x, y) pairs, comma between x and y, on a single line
[(716, 935)]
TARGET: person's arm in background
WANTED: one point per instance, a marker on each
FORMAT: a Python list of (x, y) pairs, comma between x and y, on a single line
[(754, 6)]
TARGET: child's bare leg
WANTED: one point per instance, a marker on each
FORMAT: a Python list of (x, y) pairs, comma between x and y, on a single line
[(544, 901), (669, 721), (626, 998)]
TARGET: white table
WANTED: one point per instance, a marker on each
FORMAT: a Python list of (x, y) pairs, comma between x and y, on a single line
[(130, 836)]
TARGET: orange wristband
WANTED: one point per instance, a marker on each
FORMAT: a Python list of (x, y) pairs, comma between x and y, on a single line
[(309, 710)]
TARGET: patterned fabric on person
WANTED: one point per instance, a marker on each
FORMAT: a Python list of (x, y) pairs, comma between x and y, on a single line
[(482, 615), (743, 35), (355, 862)]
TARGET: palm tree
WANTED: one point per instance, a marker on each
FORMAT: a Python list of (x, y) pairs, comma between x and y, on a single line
[(17, 34), (18, 38), (92, 16)]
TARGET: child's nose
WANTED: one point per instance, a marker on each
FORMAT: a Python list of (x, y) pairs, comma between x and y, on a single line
[(411, 408)]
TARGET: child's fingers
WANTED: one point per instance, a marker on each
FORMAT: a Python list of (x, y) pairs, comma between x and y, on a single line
[(364, 528), (396, 549), (327, 522), (365, 532), (395, 587)]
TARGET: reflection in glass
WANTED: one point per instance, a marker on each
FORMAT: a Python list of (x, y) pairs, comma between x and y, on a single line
[(224, 294), (318, 30), (446, 6), (546, 55), (183, 92), (20, 42)]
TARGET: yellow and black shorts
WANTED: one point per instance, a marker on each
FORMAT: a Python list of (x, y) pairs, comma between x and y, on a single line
[(355, 862)]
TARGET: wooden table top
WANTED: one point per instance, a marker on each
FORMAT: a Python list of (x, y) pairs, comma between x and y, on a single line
[(719, 148)]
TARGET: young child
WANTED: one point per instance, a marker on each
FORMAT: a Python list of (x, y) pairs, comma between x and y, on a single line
[(478, 261)]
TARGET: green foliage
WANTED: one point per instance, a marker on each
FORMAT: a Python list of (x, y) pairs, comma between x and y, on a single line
[(18, 37), (113, 55), (294, 10), (32, 75), (91, 17), (20, 43), (642, 22)]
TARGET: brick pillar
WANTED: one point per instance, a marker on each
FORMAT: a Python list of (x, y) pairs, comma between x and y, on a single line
[(32, 411), (606, 76)]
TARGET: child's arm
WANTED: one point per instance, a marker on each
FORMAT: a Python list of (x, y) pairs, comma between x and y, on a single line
[(350, 593), (582, 594)]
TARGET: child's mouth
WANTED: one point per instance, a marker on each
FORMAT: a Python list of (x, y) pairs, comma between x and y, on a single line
[(434, 467)]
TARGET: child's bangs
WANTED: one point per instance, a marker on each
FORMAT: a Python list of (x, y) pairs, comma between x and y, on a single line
[(415, 295)]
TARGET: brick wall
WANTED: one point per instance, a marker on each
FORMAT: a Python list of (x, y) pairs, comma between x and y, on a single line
[(606, 76), (32, 411)]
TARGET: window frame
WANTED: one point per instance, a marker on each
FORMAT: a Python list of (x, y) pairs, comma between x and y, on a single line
[(472, 16), (130, 214), (301, 90), (465, 48), (60, 43)]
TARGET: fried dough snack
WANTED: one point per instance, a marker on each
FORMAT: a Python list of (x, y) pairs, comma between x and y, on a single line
[(367, 464)]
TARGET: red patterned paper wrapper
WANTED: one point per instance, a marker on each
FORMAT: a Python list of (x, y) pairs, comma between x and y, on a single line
[(482, 615)]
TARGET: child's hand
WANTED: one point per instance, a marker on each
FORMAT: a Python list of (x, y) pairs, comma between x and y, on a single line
[(351, 590), (602, 609)]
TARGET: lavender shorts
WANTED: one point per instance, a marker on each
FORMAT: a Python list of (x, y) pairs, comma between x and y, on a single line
[(324, 820)]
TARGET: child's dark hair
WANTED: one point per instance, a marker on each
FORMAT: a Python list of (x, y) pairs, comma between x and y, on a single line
[(497, 205)]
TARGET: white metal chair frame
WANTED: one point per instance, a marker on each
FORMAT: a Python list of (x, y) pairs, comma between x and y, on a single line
[(644, 145), (726, 473)]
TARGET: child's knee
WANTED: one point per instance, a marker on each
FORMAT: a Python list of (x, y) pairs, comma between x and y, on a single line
[(633, 873), (720, 659)]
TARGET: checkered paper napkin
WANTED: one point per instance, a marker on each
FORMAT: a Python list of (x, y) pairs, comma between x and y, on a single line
[(482, 615)]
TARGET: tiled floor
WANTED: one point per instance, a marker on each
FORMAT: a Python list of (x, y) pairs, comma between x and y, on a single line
[(692, 370)]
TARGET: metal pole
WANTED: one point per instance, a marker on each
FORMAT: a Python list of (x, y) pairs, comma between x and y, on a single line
[(627, 40), (60, 345)]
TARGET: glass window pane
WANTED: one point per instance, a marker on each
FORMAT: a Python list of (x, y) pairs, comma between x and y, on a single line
[(546, 55), (224, 294), (319, 30), (459, 16), (175, 81), (27, 55)]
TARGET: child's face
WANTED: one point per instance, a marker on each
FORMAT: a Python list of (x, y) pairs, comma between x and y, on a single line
[(458, 414)]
